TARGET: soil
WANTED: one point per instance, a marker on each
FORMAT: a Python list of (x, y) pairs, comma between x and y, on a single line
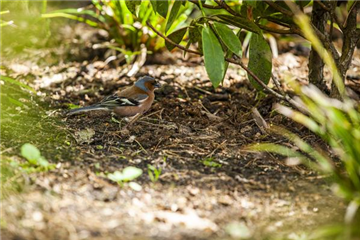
[(210, 186)]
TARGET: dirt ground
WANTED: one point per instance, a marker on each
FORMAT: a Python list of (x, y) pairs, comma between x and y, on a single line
[(209, 188)]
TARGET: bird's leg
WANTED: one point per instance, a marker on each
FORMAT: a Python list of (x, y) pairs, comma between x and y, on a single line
[(134, 119), (124, 130)]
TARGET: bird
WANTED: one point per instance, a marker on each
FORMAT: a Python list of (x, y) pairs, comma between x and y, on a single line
[(130, 102)]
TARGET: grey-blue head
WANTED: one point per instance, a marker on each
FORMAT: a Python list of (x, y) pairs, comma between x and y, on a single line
[(147, 83)]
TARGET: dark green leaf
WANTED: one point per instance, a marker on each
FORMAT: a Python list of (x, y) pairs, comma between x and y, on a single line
[(162, 7), (250, 3), (131, 5), (228, 37), (240, 22), (194, 34), (154, 5), (259, 60), (176, 36), (173, 14), (213, 56)]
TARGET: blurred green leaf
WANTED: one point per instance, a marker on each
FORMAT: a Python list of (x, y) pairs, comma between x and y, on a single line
[(228, 37), (30, 152), (79, 11), (13, 81), (135, 186), (176, 36), (128, 174), (154, 5), (173, 14), (259, 60), (70, 16), (131, 173), (213, 56), (131, 5), (250, 3)]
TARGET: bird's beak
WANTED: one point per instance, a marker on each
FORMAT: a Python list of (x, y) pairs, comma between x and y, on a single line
[(157, 85)]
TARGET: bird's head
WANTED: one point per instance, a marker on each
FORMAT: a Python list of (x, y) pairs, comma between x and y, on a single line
[(147, 83)]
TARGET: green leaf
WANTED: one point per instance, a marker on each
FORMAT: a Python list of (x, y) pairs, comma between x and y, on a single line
[(228, 37), (239, 22), (13, 81), (70, 16), (135, 186), (80, 11), (30, 152), (43, 162), (213, 56), (173, 14), (194, 34), (259, 60), (250, 3), (162, 7), (176, 36), (131, 5), (154, 5), (116, 176), (131, 173)]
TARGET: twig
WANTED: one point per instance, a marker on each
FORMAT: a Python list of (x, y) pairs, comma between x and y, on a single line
[(203, 91), (332, 14), (171, 41), (217, 147), (274, 30), (350, 10), (276, 94), (277, 83), (226, 7), (327, 43), (323, 6), (204, 5), (279, 8), (259, 120)]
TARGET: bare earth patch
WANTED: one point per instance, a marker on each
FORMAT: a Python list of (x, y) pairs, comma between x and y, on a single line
[(210, 188)]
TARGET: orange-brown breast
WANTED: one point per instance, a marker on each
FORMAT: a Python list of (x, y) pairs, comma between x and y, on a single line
[(128, 111)]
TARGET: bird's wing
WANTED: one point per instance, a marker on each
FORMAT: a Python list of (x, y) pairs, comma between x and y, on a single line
[(116, 101), (140, 97)]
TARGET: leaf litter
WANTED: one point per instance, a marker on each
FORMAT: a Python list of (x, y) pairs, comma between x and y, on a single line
[(248, 195)]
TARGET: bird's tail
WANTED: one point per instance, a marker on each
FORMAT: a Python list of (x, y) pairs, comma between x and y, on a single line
[(86, 109)]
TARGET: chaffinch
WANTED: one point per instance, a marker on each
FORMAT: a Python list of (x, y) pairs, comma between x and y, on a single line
[(132, 101)]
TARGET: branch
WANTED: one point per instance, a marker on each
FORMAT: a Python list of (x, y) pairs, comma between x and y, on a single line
[(274, 30), (323, 6), (204, 5), (171, 41), (258, 80), (279, 8), (230, 60), (223, 5), (327, 43)]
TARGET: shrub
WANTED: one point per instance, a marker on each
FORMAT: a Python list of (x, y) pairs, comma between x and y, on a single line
[(125, 22), (213, 35)]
